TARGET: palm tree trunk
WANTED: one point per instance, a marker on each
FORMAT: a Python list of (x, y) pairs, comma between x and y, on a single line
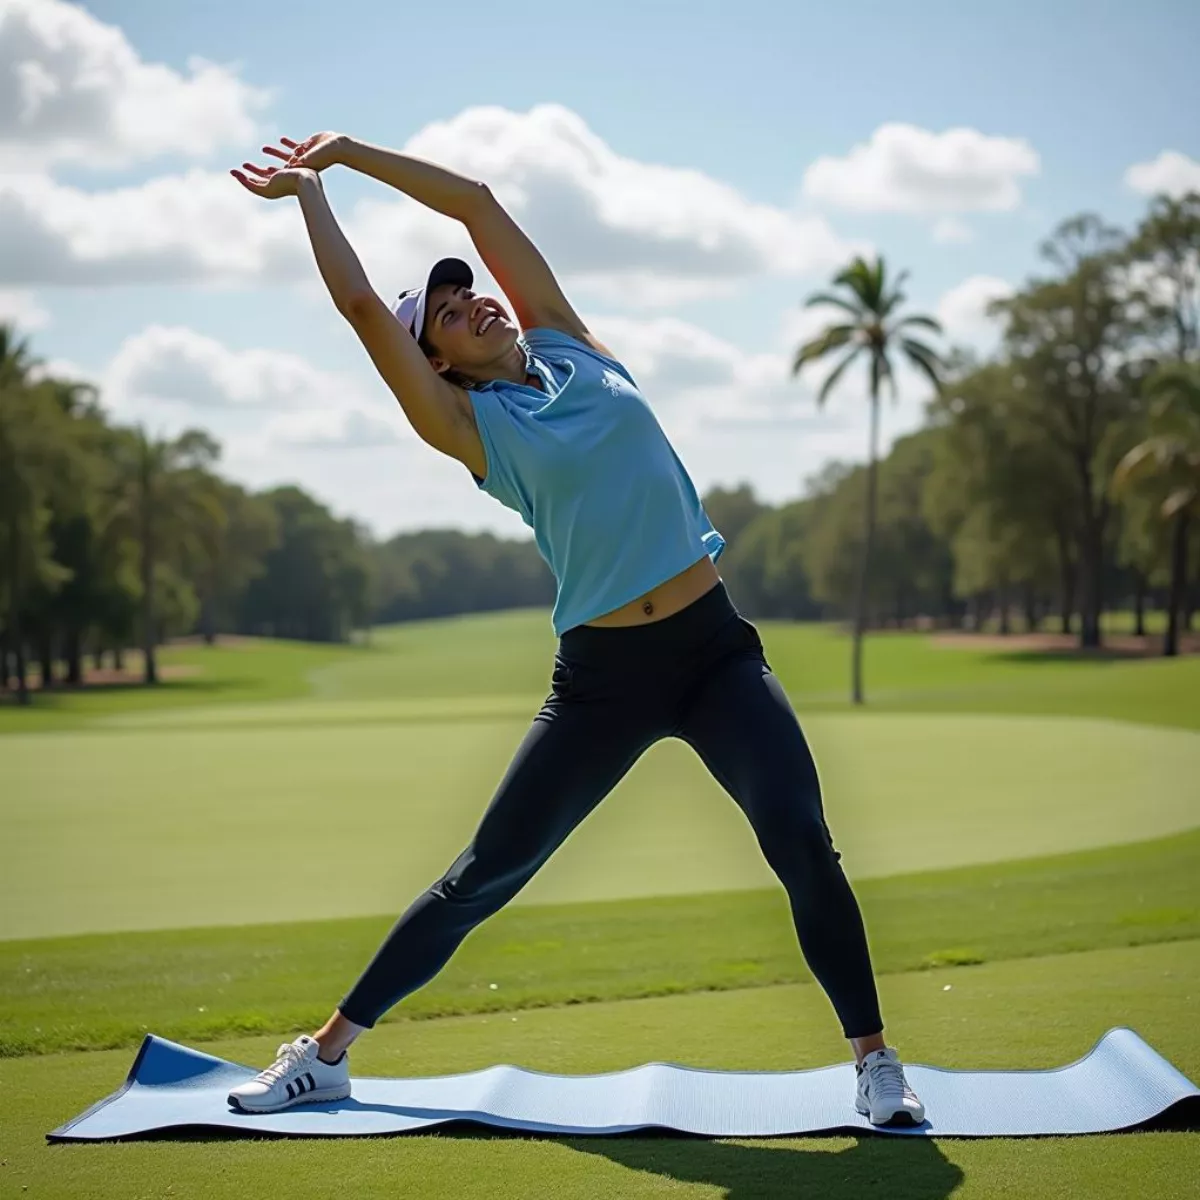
[(1139, 604), (1029, 601), (150, 675), (45, 647), (16, 586), (1178, 582), (1066, 569), (862, 591), (73, 652)]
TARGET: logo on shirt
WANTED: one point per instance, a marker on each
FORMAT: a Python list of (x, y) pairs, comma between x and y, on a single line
[(612, 382)]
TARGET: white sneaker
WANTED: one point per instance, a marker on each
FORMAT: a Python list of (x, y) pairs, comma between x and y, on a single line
[(297, 1076), (883, 1093)]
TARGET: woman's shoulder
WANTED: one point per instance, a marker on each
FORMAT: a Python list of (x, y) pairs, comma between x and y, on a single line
[(542, 341)]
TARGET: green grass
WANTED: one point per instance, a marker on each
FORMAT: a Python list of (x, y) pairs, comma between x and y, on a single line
[(254, 670), (107, 990), (508, 654), (1031, 1014), (183, 814), (129, 809)]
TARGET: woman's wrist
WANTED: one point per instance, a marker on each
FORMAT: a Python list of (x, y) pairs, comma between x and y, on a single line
[(309, 181)]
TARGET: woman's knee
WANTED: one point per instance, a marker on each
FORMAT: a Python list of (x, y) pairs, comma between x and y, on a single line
[(795, 838), (478, 883)]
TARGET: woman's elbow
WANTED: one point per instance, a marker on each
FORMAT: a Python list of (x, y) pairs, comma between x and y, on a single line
[(358, 305), (477, 199)]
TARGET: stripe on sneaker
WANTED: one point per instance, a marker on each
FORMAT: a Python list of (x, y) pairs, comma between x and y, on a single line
[(291, 1091), (312, 1087)]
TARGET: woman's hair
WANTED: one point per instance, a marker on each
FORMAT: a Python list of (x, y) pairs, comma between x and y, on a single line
[(451, 374)]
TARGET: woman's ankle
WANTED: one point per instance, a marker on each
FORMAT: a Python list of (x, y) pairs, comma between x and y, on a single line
[(335, 1037)]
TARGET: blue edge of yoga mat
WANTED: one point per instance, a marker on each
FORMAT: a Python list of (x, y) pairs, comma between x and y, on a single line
[(1121, 1083)]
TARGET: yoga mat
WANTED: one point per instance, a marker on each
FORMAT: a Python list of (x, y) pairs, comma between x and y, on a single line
[(1122, 1082)]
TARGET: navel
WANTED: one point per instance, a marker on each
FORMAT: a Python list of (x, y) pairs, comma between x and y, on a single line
[(648, 608)]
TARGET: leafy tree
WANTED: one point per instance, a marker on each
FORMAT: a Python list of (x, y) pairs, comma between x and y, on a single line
[(39, 469), (162, 500), (1167, 465), (999, 491), (316, 579), (1069, 339), (731, 510), (870, 329), (1166, 246)]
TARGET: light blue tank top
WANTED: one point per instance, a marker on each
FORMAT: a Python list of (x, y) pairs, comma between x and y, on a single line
[(588, 468)]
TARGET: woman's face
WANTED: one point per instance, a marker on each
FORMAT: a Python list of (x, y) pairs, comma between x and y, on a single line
[(467, 332)]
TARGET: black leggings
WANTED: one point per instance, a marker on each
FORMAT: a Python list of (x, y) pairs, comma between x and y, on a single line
[(698, 675)]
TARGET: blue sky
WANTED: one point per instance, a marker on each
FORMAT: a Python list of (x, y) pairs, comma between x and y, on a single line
[(692, 170)]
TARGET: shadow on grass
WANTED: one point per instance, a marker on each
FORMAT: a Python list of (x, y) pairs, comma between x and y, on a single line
[(1081, 658), (902, 1167), (905, 1168)]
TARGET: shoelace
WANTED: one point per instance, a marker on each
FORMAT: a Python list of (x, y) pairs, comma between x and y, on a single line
[(887, 1078), (289, 1057)]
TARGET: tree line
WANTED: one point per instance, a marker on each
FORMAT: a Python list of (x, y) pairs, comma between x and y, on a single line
[(1057, 477)]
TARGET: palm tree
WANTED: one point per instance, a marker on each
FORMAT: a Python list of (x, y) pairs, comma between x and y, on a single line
[(1167, 464), (870, 329), (162, 499)]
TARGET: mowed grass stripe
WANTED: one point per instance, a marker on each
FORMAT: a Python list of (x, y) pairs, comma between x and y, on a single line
[(1038, 1013), (167, 829), (198, 984)]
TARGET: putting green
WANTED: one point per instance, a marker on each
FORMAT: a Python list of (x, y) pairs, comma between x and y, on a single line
[(204, 820)]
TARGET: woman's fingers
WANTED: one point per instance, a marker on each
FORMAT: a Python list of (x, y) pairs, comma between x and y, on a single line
[(293, 149), (259, 171), (246, 183)]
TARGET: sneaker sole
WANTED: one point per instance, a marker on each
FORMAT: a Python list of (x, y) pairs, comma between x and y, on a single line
[(321, 1096), (902, 1117)]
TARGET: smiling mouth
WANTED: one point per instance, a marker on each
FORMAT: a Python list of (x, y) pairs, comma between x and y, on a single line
[(486, 324)]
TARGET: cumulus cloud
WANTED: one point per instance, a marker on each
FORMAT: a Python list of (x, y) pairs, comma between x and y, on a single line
[(72, 89), (963, 310), (905, 169), (1171, 173), (21, 309), (179, 366), (658, 232), (199, 227), (641, 232), (696, 380)]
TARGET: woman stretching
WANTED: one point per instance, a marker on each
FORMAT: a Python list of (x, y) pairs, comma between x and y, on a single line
[(551, 425)]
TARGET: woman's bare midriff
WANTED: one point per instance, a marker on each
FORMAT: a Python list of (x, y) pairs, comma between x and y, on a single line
[(665, 600)]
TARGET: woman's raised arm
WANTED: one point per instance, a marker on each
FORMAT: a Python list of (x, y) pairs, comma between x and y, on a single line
[(438, 411), (516, 263)]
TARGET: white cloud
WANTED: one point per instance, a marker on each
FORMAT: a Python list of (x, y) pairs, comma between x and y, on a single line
[(337, 428), (20, 308), (648, 233), (963, 310), (1171, 173), (905, 169), (635, 232), (193, 228), (72, 89), (178, 366), (950, 230)]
